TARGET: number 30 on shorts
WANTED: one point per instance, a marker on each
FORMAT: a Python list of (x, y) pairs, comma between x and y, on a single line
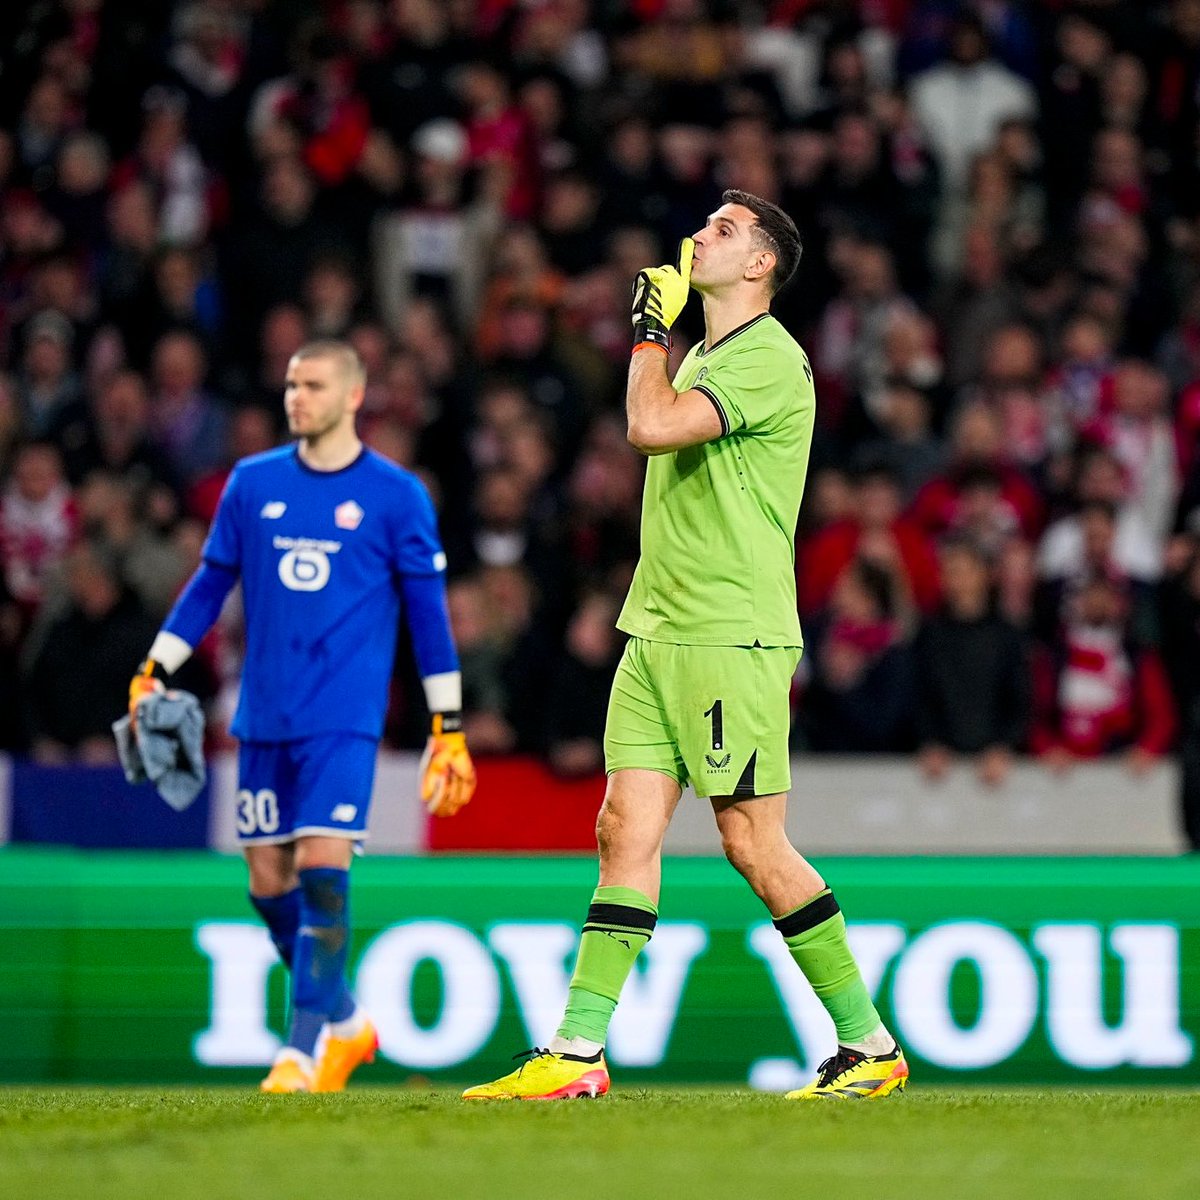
[(257, 812)]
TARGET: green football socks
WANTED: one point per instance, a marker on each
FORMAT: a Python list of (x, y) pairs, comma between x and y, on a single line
[(815, 933), (619, 923)]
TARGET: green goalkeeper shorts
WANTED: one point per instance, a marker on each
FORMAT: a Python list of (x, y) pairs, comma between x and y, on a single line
[(714, 716)]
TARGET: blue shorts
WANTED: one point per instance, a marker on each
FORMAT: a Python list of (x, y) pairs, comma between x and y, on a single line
[(311, 787)]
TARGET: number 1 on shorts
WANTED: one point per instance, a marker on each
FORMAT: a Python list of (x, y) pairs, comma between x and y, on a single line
[(718, 727)]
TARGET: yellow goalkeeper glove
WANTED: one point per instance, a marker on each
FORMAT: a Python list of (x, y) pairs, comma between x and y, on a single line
[(659, 294), (141, 685), (447, 773)]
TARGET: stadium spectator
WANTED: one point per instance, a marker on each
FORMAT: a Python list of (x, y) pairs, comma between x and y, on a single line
[(48, 387), (171, 167), (180, 297), (973, 673), (577, 699), (859, 696), (332, 296), (435, 241), (876, 529), (144, 558), (100, 637), (1098, 529), (1181, 654), (1137, 549), (187, 424), (1097, 692), (481, 657), (977, 452), (114, 434), (961, 103), (903, 416), (500, 139), (39, 521), (849, 354), (274, 250)]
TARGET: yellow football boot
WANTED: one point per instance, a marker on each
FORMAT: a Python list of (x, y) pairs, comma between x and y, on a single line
[(341, 1056), (849, 1075), (547, 1076), (287, 1075)]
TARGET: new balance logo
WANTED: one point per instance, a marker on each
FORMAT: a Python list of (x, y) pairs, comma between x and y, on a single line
[(273, 510), (344, 812), (718, 764)]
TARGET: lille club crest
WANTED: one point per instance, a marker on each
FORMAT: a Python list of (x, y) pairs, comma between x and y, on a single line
[(347, 515)]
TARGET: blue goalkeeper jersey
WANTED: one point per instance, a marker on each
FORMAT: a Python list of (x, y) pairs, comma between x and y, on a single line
[(322, 557)]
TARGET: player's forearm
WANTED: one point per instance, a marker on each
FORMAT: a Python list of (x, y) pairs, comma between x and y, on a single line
[(433, 643), (192, 616), (649, 398)]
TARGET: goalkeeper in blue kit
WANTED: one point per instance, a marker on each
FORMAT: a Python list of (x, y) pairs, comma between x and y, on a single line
[(330, 541)]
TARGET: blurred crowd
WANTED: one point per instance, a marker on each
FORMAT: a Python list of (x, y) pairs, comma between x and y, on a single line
[(1000, 295)]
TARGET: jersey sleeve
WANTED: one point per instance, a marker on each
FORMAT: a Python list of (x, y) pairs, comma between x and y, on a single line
[(750, 388), (223, 547), (417, 546)]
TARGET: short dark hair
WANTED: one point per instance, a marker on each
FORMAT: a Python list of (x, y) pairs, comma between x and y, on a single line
[(341, 352), (774, 228)]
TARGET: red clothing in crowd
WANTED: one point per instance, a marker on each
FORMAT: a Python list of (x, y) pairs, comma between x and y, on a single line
[(1099, 695), (507, 136), (823, 558), (1187, 427), (935, 507), (34, 537), (892, 13), (334, 150), (205, 494)]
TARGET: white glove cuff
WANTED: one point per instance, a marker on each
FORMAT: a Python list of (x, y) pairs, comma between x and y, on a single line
[(170, 651), (443, 693)]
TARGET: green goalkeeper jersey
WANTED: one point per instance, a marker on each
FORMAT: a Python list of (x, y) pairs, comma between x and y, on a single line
[(717, 563)]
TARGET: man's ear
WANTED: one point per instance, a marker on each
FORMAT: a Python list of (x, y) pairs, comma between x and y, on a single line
[(762, 265)]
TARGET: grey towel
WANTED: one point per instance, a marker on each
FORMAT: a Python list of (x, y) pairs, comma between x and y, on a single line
[(169, 747)]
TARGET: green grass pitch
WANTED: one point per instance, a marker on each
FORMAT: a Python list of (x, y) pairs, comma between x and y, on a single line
[(223, 1144)]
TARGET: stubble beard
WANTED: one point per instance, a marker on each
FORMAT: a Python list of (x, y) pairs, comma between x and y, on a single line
[(314, 435)]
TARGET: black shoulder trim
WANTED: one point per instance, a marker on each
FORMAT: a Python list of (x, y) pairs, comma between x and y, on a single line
[(717, 405)]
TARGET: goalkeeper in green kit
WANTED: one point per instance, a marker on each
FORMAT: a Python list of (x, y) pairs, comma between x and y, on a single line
[(701, 693)]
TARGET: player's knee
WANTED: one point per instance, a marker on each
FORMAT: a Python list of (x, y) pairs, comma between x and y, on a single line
[(738, 842), (619, 839), (607, 830), (269, 876)]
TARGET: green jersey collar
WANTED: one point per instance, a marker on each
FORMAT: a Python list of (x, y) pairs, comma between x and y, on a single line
[(731, 334)]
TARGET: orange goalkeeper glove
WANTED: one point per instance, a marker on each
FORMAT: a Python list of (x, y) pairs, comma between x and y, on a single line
[(141, 685), (447, 773)]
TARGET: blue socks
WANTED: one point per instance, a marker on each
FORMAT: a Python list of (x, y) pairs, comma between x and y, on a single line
[(322, 942), (310, 928), (282, 916)]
